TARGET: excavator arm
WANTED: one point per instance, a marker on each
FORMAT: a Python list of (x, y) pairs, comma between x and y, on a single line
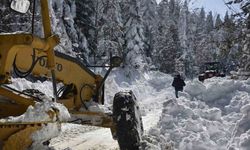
[(26, 54)]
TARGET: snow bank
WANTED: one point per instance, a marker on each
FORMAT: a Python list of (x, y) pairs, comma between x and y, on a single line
[(142, 85), (148, 88), (195, 88), (241, 132), (210, 115), (215, 91)]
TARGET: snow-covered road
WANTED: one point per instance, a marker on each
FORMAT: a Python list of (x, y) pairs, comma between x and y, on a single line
[(78, 137), (210, 115), (213, 115)]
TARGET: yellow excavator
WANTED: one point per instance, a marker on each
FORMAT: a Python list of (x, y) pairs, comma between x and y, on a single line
[(25, 54)]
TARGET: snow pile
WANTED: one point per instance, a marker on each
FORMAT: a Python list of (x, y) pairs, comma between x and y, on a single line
[(187, 129), (49, 113), (210, 115), (149, 89), (241, 133), (142, 85), (42, 136), (216, 90), (22, 84), (42, 112), (195, 89), (212, 89)]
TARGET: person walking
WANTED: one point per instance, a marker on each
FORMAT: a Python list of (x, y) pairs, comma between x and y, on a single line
[(178, 84)]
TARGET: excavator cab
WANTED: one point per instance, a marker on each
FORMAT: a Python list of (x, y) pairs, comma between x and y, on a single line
[(26, 54)]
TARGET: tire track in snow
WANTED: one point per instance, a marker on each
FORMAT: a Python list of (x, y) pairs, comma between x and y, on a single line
[(92, 139)]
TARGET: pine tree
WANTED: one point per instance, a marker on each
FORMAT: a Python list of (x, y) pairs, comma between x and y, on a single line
[(149, 17), (190, 66), (209, 22), (184, 40), (210, 48), (133, 53), (218, 22), (201, 21), (63, 13), (168, 47), (183, 25), (200, 38), (245, 59), (160, 45), (244, 25), (162, 10), (85, 13), (110, 35), (227, 43)]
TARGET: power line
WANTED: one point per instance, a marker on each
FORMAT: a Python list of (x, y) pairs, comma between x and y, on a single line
[(232, 9)]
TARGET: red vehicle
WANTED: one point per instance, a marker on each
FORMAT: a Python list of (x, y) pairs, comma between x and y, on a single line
[(211, 69)]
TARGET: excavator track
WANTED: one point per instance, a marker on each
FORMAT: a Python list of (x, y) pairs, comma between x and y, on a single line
[(18, 136)]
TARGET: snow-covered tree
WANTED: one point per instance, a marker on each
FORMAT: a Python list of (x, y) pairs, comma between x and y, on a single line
[(185, 28), (86, 22), (109, 34), (149, 18), (62, 21), (200, 38), (218, 22), (226, 44), (201, 21), (12, 21), (183, 24), (167, 47), (245, 58), (133, 52), (142, 32), (209, 22)]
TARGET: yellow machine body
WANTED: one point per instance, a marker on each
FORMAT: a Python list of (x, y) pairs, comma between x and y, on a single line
[(21, 50)]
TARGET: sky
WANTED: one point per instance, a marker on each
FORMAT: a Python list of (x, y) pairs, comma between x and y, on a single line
[(216, 6)]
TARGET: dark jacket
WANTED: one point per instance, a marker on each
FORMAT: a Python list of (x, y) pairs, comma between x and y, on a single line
[(178, 83)]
